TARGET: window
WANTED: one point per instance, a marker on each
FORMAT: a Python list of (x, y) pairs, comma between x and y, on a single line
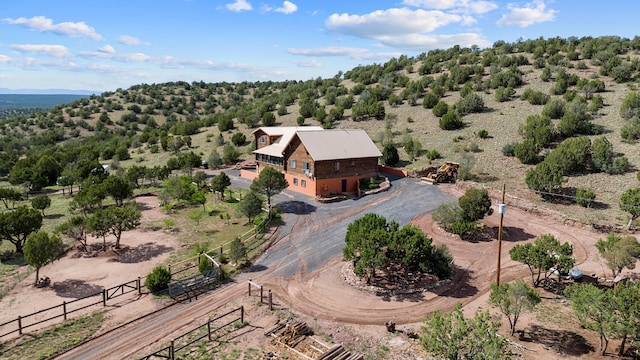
[(263, 139), (295, 181), (336, 166), (303, 183), (292, 163), (305, 165), (352, 163)]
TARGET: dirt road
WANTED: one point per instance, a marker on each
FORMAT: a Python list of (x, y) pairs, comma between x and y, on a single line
[(303, 268)]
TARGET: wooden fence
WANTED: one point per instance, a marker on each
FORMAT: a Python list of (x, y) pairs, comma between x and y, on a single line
[(251, 239), (196, 334), (23, 322)]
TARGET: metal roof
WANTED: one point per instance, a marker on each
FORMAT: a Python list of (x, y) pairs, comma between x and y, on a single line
[(286, 134), (338, 144)]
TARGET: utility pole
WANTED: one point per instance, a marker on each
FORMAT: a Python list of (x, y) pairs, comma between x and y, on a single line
[(502, 207)]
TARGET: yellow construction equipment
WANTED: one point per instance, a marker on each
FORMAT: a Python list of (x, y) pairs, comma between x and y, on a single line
[(447, 172)]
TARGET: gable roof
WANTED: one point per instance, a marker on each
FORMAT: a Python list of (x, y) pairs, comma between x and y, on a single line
[(338, 144), (286, 134)]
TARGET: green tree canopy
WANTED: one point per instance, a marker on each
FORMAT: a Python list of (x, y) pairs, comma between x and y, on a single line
[(512, 299), (220, 183), (41, 202), (41, 249), (270, 182), (619, 252), (475, 204), (365, 239), (118, 188), (390, 155), (250, 206), (451, 336), (593, 308), (237, 251), (544, 253), (16, 225), (116, 220), (630, 202)]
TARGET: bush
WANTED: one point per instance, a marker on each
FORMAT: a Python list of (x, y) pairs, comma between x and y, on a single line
[(440, 109), (483, 134), (430, 100), (631, 130), (472, 103), (554, 109), (585, 197), (158, 279), (204, 265), (461, 228), (527, 151), (535, 97), (509, 149), (238, 139), (504, 93), (433, 154), (447, 214), (451, 120)]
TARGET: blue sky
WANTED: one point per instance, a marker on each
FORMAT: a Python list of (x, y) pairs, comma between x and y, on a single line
[(104, 45)]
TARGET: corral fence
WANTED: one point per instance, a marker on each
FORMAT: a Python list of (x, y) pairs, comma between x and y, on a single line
[(192, 283), (208, 330), (23, 322), (261, 290)]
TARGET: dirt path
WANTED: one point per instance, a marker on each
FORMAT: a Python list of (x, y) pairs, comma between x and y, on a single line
[(320, 294)]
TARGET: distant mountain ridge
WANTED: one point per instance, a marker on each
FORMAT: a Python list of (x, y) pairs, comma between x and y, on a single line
[(48, 92)]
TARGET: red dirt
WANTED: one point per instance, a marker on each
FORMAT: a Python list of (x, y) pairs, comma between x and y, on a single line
[(323, 297)]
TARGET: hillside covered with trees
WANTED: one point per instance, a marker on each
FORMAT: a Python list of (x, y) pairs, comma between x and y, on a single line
[(556, 119)]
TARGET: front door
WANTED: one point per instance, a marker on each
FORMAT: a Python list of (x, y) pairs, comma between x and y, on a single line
[(344, 185)]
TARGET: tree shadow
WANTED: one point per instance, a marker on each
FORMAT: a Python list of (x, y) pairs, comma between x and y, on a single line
[(561, 341), (142, 252), (53, 216), (295, 207), (511, 233), (73, 288), (256, 268), (459, 287)]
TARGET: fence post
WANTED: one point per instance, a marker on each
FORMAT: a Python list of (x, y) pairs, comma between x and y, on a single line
[(104, 297), (209, 328), (249, 282), (261, 295), (169, 266), (241, 313), (64, 309), (270, 300), (139, 286), (172, 354), (19, 324), (220, 250)]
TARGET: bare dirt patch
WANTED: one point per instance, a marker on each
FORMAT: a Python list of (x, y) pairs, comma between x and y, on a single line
[(78, 274)]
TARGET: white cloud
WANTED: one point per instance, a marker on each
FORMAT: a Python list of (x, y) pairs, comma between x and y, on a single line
[(44, 24), (4, 59), (107, 49), (101, 53), (422, 41), (353, 53), (390, 22), (128, 40), (307, 63), (4, 76), (533, 13), (50, 50), (239, 5), (287, 8), (407, 28), (464, 6)]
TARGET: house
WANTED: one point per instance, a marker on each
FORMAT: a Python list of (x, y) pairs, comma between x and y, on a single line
[(315, 161)]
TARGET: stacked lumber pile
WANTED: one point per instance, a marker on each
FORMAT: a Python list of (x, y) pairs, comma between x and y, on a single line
[(338, 352), (292, 335)]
